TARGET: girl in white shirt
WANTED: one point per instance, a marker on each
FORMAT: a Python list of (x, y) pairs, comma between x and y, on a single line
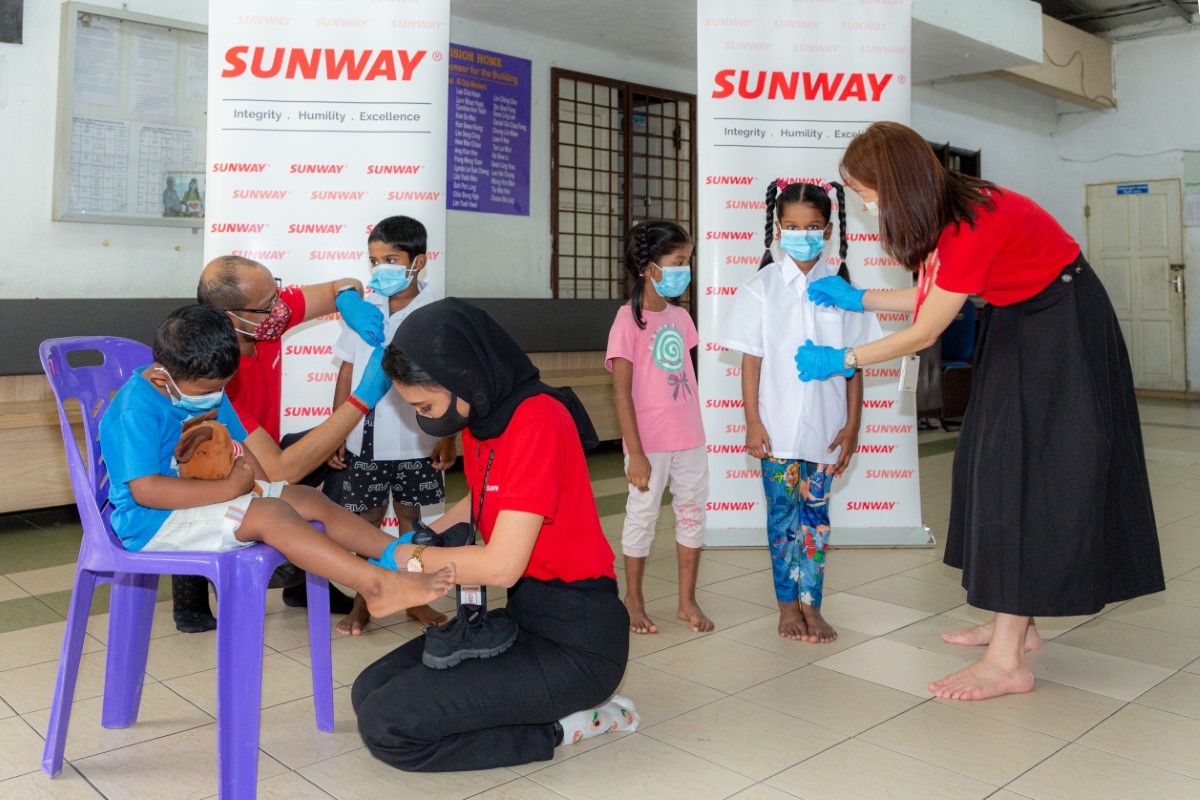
[(804, 438)]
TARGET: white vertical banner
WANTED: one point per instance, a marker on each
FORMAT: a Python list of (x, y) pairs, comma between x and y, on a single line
[(783, 85), (324, 117)]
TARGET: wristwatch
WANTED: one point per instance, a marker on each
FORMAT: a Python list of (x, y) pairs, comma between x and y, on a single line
[(415, 564), (851, 359)]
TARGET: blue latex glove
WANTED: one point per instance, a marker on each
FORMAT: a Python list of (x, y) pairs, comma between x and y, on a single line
[(374, 384), (817, 362), (388, 559), (363, 318), (834, 291)]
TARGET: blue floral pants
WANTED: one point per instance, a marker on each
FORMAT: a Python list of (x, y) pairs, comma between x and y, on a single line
[(797, 526)]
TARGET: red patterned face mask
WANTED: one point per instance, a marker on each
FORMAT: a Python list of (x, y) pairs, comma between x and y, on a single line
[(270, 328)]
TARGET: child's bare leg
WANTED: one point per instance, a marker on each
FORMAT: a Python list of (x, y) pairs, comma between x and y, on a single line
[(635, 602), (689, 486), (285, 526), (424, 615), (689, 609), (354, 623), (344, 527)]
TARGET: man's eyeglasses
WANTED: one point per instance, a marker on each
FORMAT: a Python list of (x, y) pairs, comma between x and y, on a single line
[(270, 307)]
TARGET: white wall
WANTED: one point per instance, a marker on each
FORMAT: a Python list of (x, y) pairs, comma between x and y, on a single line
[(1013, 128), (40, 258), (492, 255), (487, 254), (1030, 143), (1157, 118), (1052, 151)]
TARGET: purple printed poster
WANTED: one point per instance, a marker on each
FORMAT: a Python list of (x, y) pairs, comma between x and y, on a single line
[(488, 134)]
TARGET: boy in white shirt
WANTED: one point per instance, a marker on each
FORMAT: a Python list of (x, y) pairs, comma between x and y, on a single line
[(387, 455)]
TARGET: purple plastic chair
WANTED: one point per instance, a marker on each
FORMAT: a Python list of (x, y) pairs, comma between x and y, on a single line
[(240, 578)]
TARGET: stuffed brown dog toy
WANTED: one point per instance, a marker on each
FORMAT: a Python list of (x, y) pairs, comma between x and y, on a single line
[(206, 450)]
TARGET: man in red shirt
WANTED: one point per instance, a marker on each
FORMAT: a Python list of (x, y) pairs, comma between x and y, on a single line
[(261, 312)]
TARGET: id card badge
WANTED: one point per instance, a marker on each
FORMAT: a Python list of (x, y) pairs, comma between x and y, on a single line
[(910, 369)]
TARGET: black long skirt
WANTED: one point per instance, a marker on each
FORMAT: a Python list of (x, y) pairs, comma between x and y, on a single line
[(1050, 511)]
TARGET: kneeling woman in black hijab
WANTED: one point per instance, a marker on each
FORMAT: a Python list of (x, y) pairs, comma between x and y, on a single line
[(532, 500)]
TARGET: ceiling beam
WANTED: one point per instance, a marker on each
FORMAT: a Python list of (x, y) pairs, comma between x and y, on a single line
[(1178, 10)]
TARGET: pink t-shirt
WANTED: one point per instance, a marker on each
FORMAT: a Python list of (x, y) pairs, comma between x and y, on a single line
[(664, 381)]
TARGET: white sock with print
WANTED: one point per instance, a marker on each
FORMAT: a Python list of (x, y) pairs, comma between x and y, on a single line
[(617, 714)]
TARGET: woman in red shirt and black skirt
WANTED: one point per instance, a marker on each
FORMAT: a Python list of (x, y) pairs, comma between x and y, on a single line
[(1050, 511), (532, 500)]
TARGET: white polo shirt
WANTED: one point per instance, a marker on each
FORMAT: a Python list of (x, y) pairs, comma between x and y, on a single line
[(771, 317), (397, 436)]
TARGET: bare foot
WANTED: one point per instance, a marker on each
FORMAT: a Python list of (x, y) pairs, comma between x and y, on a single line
[(397, 591), (690, 613), (983, 679), (354, 622), (426, 616), (791, 622), (819, 631), (638, 621), (982, 634)]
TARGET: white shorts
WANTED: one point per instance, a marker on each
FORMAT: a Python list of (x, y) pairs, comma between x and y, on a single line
[(208, 529)]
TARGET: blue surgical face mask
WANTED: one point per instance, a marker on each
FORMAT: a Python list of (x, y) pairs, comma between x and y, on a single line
[(194, 403), (389, 280), (674, 280), (802, 245)]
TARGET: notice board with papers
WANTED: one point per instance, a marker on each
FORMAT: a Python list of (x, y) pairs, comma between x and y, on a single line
[(130, 140)]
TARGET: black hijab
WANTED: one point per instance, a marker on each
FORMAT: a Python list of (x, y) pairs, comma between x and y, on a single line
[(467, 352)]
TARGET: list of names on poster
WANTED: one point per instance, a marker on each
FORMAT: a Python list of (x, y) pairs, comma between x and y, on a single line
[(99, 165), (488, 132)]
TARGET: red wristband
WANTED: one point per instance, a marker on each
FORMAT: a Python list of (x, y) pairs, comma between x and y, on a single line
[(359, 404)]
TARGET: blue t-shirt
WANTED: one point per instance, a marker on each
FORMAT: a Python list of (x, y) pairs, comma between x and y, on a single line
[(138, 435)]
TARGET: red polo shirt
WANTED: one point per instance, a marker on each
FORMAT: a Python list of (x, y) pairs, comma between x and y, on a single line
[(539, 468), (1011, 254), (256, 388)]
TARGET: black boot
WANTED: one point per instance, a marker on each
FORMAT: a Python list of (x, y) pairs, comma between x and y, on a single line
[(457, 535), (297, 597), (473, 633), (192, 612)]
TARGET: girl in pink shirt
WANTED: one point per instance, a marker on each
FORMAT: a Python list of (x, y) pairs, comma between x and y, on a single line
[(659, 413)]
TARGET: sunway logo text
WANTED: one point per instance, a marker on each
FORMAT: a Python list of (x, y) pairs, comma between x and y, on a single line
[(294, 63), (863, 87)]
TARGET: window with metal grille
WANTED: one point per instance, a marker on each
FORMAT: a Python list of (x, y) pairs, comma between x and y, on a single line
[(621, 153)]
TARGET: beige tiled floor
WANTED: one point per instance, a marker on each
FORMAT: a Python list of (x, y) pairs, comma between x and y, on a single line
[(737, 713)]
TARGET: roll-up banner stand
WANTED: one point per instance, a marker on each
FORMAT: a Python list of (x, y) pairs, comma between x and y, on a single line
[(323, 118), (783, 86)]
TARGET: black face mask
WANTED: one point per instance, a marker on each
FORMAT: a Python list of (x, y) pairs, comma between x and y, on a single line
[(447, 424)]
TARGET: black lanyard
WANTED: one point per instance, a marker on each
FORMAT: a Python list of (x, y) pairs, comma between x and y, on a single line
[(475, 519)]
